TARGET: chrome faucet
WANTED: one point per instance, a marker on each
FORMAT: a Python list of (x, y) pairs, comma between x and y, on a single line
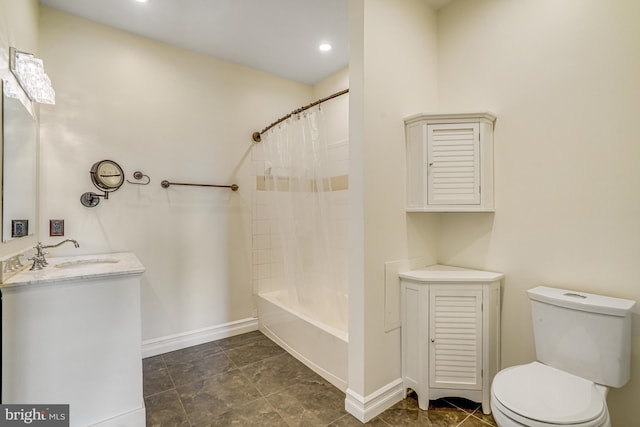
[(39, 261)]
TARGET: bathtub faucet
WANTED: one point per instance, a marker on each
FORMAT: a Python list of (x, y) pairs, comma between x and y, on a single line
[(39, 261)]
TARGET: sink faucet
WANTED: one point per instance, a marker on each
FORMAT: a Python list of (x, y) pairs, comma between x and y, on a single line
[(39, 261)]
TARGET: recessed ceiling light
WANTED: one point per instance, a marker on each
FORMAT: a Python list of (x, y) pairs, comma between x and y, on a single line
[(141, 1), (324, 47)]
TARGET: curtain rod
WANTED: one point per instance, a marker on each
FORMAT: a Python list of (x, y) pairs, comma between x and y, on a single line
[(257, 136)]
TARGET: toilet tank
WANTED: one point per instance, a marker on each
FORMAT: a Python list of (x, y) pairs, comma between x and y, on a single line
[(585, 334)]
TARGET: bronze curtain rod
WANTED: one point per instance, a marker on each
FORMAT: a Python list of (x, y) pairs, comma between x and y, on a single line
[(257, 136)]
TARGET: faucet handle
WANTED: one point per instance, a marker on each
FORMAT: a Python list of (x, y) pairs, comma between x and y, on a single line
[(38, 263), (39, 258)]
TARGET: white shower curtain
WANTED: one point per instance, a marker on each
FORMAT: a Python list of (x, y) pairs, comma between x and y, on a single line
[(297, 178)]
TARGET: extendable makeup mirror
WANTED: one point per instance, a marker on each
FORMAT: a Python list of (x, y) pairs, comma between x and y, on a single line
[(107, 176)]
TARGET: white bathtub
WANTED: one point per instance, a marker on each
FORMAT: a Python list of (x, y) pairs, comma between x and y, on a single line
[(321, 345)]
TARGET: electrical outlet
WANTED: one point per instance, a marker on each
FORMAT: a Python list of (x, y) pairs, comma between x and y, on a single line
[(56, 227), (19, 227)]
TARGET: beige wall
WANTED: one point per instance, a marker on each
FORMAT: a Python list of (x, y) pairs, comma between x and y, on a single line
[(332, 84), (392, 74), (335, 111), (563, 78), (19, 29), (19, 25), (173, 115)]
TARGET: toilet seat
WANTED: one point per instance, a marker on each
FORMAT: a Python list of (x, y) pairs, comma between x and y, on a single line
[(538, 395)]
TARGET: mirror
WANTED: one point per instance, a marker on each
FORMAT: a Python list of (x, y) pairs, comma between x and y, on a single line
[(19, 153)]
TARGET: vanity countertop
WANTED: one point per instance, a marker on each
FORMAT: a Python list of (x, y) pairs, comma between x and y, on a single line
[(446, 273), (73, 268)]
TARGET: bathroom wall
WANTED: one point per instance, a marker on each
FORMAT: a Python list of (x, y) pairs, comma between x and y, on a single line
[(563, 80), (392, 73), (19, 29), (174, 115)]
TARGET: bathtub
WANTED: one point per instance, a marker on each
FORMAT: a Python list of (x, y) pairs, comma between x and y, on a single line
[(321, 345)]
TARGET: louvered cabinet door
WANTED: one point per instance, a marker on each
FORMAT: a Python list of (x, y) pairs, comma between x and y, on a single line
[(455, 335), (453, 164)]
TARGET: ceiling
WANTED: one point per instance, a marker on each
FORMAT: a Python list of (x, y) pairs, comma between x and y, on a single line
[(280, 37)]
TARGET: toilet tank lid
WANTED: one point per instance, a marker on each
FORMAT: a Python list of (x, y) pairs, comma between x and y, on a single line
[(582, 301)]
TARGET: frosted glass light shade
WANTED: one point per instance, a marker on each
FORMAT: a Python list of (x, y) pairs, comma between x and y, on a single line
[(29, 72)]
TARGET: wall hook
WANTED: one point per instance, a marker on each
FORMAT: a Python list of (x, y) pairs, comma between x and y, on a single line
[(139, 175)]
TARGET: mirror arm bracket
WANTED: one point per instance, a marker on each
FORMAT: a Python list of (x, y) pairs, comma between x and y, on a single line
[(91, 199)]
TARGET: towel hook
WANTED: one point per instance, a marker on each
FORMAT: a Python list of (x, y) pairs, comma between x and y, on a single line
[(139, 175)]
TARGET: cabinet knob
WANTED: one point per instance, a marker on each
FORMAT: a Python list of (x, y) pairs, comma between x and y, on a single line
[(433, 340)]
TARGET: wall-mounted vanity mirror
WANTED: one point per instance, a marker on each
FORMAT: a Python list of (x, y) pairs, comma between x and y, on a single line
[(19, 153)]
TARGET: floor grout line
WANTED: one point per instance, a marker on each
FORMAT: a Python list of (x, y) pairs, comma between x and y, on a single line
[(465, 418), (240, 372), (482, 420), (184, 410)]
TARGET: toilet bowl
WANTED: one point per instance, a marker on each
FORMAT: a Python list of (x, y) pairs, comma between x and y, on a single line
[(583, 346), (537, 395)]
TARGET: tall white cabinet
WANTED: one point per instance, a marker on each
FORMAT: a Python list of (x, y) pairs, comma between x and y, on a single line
[(450, 333), (450, 162)]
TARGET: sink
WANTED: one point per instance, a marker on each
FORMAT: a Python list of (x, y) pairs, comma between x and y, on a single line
[(86, 262), (107, 266)]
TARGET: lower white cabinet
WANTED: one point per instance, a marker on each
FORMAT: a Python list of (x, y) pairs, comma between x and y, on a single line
[(450, 333), (71, 334)]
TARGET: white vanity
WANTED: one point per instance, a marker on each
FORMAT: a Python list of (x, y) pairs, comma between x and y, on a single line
[(71, 334), (450, 333)]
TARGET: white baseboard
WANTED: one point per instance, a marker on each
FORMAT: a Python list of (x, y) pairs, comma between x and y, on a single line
[(366, 408), (168, 343)]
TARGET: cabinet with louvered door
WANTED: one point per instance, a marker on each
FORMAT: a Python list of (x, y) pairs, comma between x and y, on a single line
[(453, 164), (455, 343), (450, 333), (450, 162)]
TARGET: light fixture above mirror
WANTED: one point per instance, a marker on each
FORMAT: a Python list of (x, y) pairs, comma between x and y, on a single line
[(29, 72)]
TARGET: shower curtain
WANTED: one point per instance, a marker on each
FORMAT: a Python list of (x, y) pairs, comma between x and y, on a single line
[(298, 181)]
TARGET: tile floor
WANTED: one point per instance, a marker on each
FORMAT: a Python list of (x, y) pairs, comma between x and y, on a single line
[(247, 380)]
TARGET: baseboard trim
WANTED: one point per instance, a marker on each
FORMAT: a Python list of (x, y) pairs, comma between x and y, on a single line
[(366, 408), (168, 343)]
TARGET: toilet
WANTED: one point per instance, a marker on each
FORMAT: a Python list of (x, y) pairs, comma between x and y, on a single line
[(583, 346)]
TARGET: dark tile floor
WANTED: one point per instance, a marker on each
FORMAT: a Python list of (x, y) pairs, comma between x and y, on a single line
[(247, 380)]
